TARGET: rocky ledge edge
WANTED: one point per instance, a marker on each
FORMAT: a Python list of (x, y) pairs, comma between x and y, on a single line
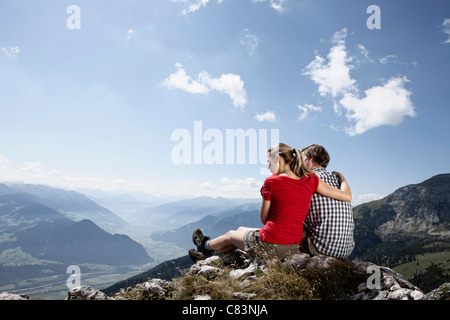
[(389, 284)]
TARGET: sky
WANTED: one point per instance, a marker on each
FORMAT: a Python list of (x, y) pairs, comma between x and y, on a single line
[(155, 96)]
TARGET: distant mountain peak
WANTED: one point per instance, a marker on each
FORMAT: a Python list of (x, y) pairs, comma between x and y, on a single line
[(437, 180), (72, 204), (415, 210)]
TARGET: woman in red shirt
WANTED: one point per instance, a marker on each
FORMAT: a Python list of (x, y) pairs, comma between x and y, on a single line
[(286, 199)]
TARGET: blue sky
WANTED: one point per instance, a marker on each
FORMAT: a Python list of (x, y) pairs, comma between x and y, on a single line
[(91, 97)]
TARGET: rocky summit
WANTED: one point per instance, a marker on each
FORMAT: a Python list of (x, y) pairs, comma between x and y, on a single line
[(236, 276)]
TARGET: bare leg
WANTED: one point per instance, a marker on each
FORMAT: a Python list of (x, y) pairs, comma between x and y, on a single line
[(245, 229), (230, 241)]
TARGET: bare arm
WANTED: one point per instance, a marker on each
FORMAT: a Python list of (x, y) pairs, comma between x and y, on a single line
[(343, 194), (265, 210)]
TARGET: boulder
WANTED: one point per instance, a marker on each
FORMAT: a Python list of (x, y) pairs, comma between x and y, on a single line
[(384, 284), (441, 293), (12, 296), (153, 289), (85, 293)]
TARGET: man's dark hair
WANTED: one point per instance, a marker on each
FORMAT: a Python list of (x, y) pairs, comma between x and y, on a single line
[(318, 154)]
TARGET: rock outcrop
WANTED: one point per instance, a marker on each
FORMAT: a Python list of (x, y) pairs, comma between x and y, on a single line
[(441, 293), (86, 293), (243, 279), (154, 289), (240, 277), (12, 296)]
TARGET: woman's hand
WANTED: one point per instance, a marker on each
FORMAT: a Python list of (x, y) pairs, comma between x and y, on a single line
[(342, 194), (339, 175)]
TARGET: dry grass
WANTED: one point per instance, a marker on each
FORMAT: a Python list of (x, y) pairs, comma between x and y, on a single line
[(277, 282)]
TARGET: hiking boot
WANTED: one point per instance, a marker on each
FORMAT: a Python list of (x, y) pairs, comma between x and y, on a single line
[(195, 255), (199, 240)]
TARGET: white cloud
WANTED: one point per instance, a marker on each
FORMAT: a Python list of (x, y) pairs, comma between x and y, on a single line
[(306, 109), (30, 172), (389, 58), (383, 105), (180, 80), (386, 104), (226, 187), (278, 5), (195, 6), (36, 173), (32, 167), (364, 52), (231, 84), (335, 127), (332, 76), (363, 198), (11, 52), (226, 180), (446, 28), (268, 116), (239, 188), (4, 162), (130, 33), (340, 36), (250, 42)]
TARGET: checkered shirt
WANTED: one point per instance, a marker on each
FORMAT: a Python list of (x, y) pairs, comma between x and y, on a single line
[(330, 222)]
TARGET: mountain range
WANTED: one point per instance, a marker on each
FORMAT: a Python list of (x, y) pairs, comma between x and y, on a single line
[(409, 231), (213, 225), (175, 214), (417, 211), (45, 228), (73, 205), (38, 239)]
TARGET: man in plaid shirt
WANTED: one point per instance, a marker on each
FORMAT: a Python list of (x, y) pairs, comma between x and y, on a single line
[(328, 227)]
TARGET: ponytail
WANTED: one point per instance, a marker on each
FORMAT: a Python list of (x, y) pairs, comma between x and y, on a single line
[(292, 157), (297, 165)]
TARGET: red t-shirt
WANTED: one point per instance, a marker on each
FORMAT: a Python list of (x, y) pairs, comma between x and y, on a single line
[(290, 200)]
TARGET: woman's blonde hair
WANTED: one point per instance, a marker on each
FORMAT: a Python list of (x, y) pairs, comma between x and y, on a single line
[(292, 157)]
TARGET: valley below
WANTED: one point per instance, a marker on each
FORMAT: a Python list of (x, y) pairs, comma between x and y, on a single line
[(115, 238)]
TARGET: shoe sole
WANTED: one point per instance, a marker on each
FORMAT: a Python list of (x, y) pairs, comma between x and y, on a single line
[(195, 255), (197, 237)]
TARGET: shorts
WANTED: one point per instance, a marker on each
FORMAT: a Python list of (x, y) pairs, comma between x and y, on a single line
[(307, 245), (251, 239), (258, 248)]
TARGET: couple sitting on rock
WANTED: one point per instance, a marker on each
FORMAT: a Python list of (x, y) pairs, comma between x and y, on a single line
[(304, 209)]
